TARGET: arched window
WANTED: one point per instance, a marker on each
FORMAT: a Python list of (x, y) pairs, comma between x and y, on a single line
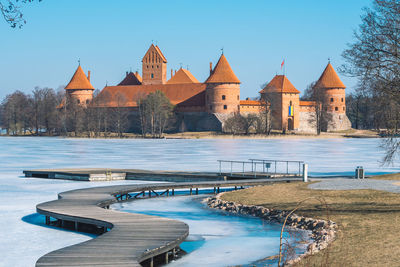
[(342, 99), (225, 107), (223, 97), (336, 108), (152, 75), (238, 97), (331, 99)]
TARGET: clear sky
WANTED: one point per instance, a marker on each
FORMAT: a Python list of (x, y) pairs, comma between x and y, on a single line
[(111, 37)]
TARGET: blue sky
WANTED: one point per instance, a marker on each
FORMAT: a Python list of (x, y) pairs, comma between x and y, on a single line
[(111, 37)]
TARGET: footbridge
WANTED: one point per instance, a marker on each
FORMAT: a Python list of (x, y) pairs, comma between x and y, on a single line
[(126, 239)]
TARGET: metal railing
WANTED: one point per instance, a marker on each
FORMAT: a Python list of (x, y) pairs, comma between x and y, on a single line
[(261, 166)]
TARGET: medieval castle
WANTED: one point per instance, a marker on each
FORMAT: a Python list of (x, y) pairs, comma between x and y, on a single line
[(205, 106)]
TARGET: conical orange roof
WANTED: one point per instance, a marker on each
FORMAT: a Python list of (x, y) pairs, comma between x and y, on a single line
[(182, 76), (280, 84), (79, 81), (222, 73), (329, 79)]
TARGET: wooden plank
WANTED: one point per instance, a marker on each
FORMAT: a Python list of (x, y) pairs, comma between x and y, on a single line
[(133, 237)]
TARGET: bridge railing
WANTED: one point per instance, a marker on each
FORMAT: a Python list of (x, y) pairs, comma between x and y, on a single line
[(263, 167)]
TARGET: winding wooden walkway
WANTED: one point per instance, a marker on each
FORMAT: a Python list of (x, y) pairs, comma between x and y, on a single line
[(134, 238)]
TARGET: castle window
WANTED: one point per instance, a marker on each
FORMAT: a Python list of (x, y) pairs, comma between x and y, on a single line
[(157, 66), (225, 107), (344, 108), (336, 108), (152, 75), (147, 66), (87, 101), (223, 97), (152, 66), (290, 103), (342, 99), (238, 97), (331, 99)]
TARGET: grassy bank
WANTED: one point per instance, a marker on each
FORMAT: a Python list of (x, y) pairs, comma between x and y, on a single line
[(369, 221), (216, 135)]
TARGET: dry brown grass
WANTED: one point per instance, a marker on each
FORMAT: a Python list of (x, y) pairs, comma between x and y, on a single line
[(368, 221), (390, 176)]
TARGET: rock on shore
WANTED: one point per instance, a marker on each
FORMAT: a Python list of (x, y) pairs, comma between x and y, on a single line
[(322, 232)]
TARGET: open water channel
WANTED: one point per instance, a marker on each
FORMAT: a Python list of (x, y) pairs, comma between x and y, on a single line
[(24, 238)]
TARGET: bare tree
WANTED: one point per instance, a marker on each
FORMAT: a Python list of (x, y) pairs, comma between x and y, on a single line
[(12, 13), (320, 115), (120, 114), (155, 113), (374, 57)]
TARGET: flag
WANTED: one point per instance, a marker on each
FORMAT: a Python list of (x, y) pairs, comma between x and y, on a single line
[(283, 63)]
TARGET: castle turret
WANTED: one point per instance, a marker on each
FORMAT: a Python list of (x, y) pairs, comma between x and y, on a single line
[(334, 99), (333, 90), (223, 89), (80, 88), (154, 66), (284, 102)]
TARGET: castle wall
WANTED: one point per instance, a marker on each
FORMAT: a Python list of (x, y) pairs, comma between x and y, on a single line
[(338, 122), (223, 98), (250, 109), (335, 100), (82, 96), (307, 122)]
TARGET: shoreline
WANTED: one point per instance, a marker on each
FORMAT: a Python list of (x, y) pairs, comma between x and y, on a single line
[(322, 232), (217, 135)]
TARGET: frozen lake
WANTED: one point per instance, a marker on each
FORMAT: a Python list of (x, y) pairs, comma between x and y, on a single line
[(24, 238)]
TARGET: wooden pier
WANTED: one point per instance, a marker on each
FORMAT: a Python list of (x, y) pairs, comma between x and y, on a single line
[(129, 239)]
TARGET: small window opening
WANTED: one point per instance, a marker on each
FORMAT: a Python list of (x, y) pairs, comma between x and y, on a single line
[(225, 107), (152, 75), (331, 99), (342, 99), (336, 108), (223, 97)]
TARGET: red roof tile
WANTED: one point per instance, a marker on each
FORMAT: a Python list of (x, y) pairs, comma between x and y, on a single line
[(308, 103), (222, 73), (182, 76), (130, 79), (179, 94), (79, 81), (250, 102), (329, 79), (280, 84)]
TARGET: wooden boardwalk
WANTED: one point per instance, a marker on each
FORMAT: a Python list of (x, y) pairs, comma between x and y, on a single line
[(102, 174), (131, 238)]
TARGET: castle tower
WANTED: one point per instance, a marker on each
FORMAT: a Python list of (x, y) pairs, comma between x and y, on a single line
[(223, 89), (334, 99), (333, 90), (80, 88), (284, 102), (154, 66)]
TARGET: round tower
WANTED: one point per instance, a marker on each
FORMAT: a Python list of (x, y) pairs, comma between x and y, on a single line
[(333, 94), (80, 88), (223, 89), (332, 91)]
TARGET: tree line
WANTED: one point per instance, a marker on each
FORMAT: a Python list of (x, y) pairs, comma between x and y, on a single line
[(46, 111)]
